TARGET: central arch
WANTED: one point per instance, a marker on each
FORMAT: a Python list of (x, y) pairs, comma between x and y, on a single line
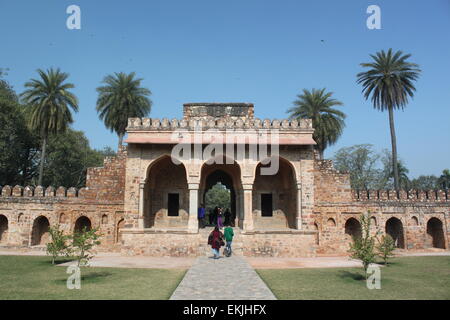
[(228, 173), (394, 228)]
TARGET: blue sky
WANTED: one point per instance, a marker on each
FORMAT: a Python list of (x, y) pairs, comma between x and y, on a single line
[(259, 51)]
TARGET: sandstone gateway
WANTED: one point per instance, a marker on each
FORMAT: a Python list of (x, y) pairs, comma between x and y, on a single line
[(146, 204)]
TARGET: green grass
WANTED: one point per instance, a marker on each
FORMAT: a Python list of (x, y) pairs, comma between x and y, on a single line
[(31, 277), (405, 278)]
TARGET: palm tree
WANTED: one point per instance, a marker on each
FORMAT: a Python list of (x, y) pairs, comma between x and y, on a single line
[(121, 98), (328, 123), (389, 82), (444, 179), (50, 102)]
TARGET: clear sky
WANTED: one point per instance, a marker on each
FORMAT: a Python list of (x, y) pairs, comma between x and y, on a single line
[(256, 51)]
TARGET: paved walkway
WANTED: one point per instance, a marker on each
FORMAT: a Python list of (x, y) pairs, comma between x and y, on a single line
[(222, 279)]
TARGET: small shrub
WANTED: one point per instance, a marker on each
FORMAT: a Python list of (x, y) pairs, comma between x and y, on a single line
[(385, 248), (82, 244), (58, 245)]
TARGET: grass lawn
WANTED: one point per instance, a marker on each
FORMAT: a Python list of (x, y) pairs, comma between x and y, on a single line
[(405, 278), (31, 277)]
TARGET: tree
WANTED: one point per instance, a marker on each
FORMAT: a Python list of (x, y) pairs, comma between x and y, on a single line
[(389, 83), (363, 248), (385, 248), (424, 182), (388, 172), (444, 179), (82, 244), (18, 145), (219, 196), (50, 102), (360, 161), (328, 122), (68, 158), (58, 246), (121, 98)]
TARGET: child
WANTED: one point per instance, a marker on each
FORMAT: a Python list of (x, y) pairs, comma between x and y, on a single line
[(228, 233)]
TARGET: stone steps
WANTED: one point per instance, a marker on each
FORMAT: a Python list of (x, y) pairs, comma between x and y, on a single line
[(205, 249)]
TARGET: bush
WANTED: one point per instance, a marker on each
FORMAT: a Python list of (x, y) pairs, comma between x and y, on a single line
[(58, 246), (385, 248), (363, 248), (82, 244)]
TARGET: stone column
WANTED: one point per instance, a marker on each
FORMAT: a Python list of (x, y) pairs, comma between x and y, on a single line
[(141, 205), (298, 216), (248, 210), (193, 208)]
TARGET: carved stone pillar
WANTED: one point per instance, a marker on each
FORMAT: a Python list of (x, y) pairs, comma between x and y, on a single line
[(298, 216), (248, 210), (193, 208), (141, 205)]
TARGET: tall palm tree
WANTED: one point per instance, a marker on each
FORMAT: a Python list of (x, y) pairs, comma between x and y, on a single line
[(121, 98), (50, 104), (389, 82), (328, 123)]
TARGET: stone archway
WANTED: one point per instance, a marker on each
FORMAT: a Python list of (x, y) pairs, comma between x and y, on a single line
[(166, 195), (275, 196), (3, 229), (82, 223), (394, 228), (435, 233), (353, 228), (39, 232), (119, 227), (228, 173)]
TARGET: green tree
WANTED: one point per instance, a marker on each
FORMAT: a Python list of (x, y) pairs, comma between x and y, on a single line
[(327, 121), (122, 97), (219, 196), (361, 162), (68, 158), (389, 83), (59, 243), (18, 145), (385, 248), (444, 179), (50, 102), (363, 248), (83, 243), (424, 182)]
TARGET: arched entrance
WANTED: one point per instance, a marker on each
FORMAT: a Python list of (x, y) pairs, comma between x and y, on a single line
[(120, 225), (394, 228), (275, 197), (3, 229), (82, 223), (353, 228), (435, 233), (228, 175), (166, 195), (39, 232)]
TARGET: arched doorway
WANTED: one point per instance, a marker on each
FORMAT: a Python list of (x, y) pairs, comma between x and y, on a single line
[(166, 195), (3, 229), (435, 233), (353, 228), (120, 225), (275, 196), (225, 172), (39, 232), (82, 223), (394, 228)]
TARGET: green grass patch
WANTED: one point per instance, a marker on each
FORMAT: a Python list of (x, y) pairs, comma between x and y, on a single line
[(404, 278), (31, 277)]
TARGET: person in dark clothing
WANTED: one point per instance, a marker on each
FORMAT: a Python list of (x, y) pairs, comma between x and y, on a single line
[(214, 215), (220, 218), (227, 216), (215, 240), (201, 216)]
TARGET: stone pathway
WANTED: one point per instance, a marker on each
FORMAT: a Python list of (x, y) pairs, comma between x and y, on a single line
[(222, 279)]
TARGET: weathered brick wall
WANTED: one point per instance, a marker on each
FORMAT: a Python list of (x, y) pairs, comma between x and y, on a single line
[(101, 201)]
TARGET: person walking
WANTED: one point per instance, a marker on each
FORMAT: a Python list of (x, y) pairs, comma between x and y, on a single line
[(201, 216), (215, 240), (227, 216), (229, 234), (220, 218)]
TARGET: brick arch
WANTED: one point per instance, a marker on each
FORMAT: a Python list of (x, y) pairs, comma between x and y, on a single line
[(394, 228), (104, 219), (119, 226), (414, 221), (20, 217), (352, 227), (3, 228), (317, 235), (280, 159), (62, 218), (155, 161), (331, 223), (82, 222), (435, 233), (373, 221), (39, 231)]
